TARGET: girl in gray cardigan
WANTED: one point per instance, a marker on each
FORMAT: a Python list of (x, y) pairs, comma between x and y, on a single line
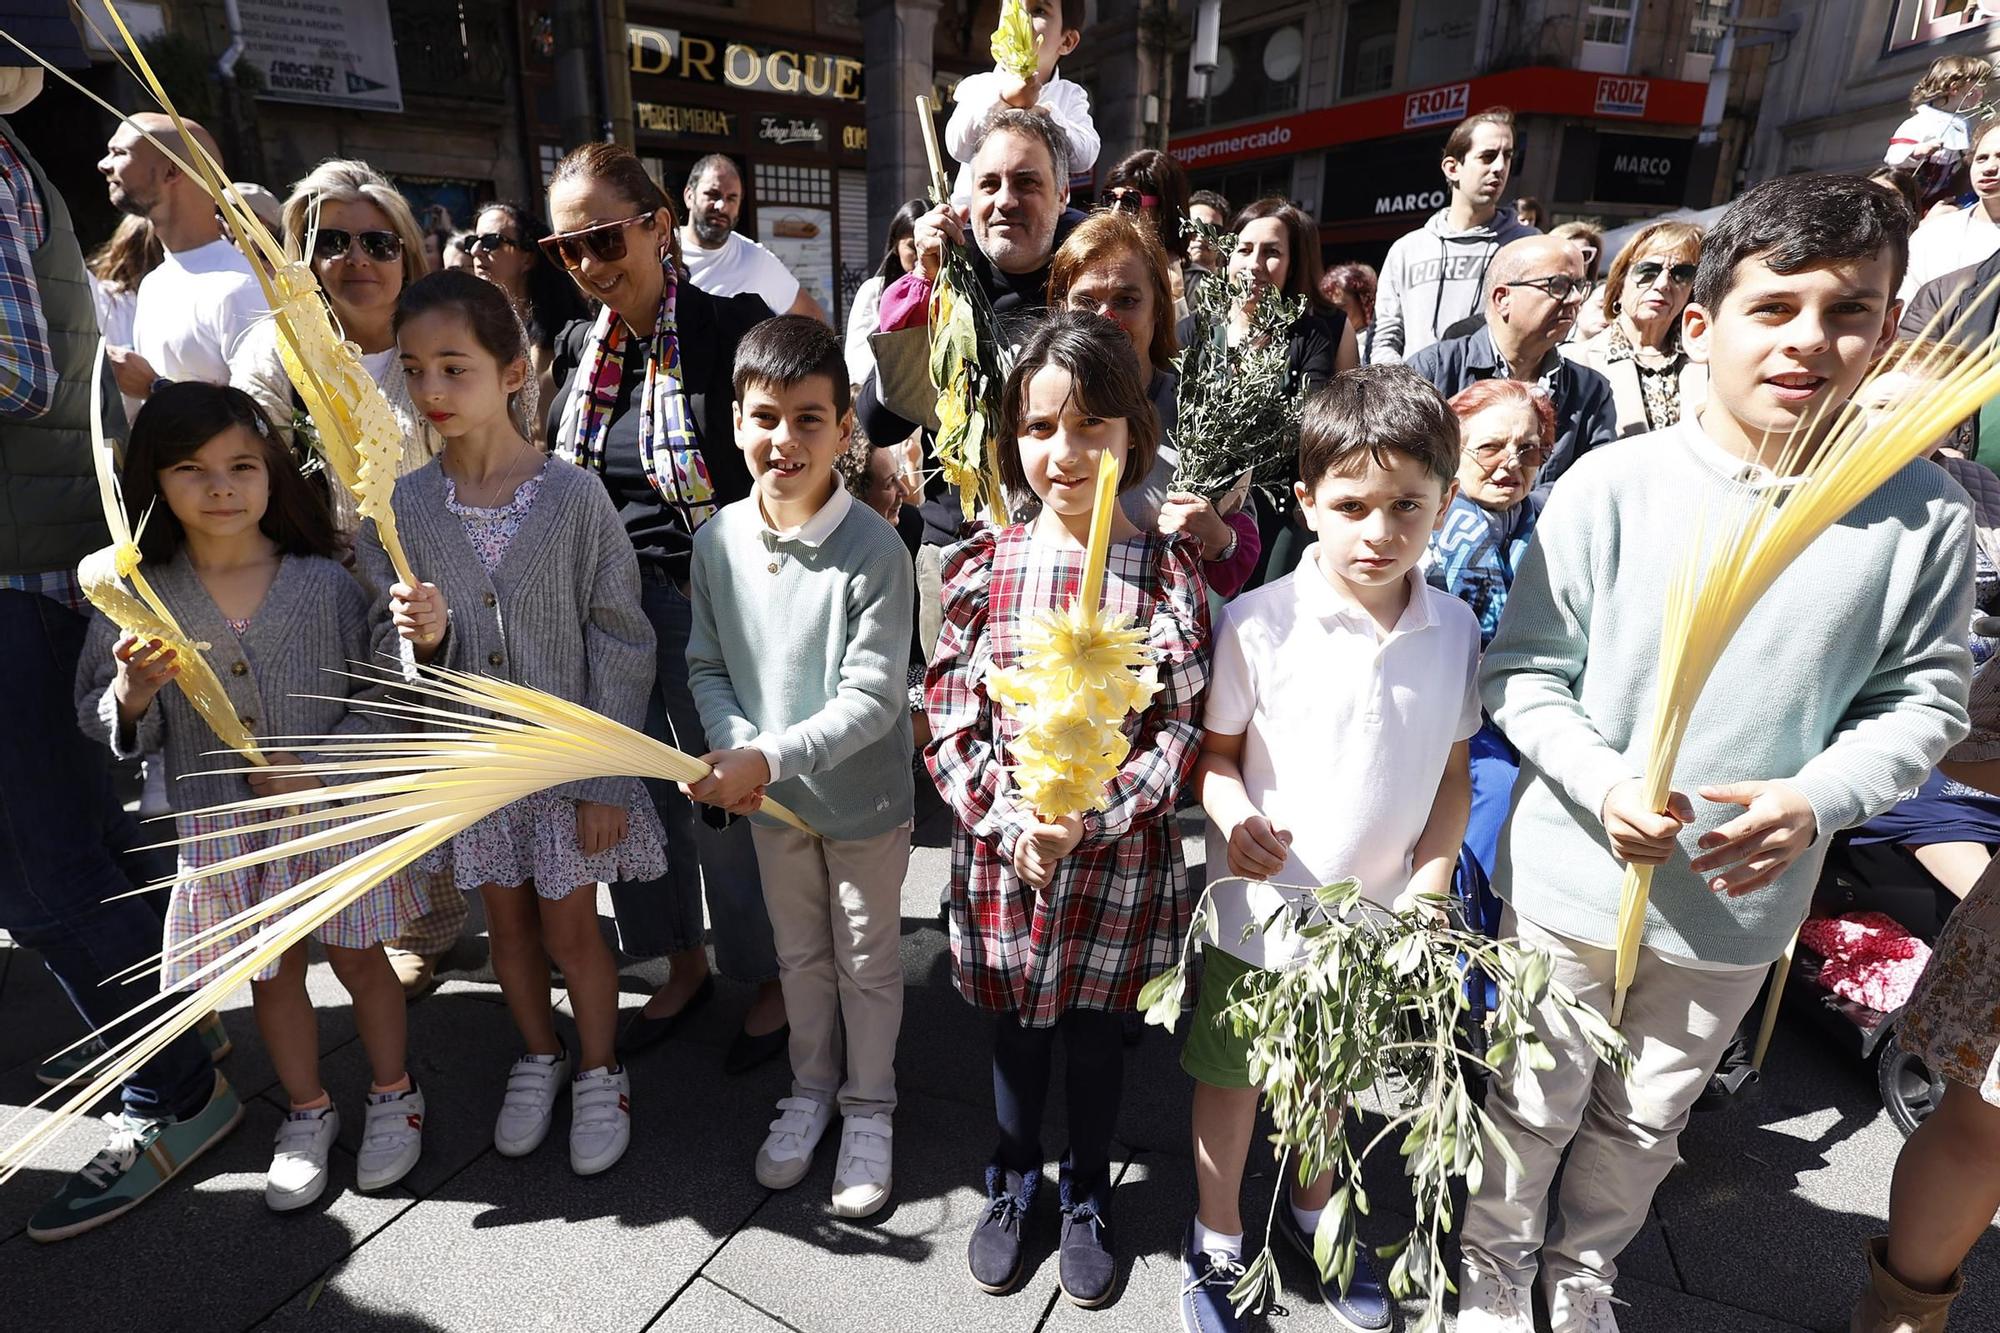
[(239, 546), (528, 575)]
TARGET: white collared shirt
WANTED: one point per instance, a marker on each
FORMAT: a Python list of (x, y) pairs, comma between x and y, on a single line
[(813, 532), (1346, 732)]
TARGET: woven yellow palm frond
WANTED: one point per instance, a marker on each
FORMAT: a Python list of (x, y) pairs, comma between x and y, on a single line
[(358, 431), (1081, 673), (1014, 46), (416, 790), (1716, 584)]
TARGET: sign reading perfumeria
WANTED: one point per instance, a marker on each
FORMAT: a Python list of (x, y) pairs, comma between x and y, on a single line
[(327, 52)]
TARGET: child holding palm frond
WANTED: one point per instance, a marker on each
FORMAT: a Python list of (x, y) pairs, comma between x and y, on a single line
[(528, 575), (1843, 685), (1056, 924), (246, 554)]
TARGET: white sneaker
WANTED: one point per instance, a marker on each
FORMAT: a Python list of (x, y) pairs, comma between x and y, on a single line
[(600, 1119), (392, 1138), (861, 1176), (298, 1158), (787, 1153), (1578, 1307), (1488, 1304), (530, 1103)]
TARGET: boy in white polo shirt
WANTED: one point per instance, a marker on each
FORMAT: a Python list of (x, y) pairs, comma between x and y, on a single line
[(1339, 706)]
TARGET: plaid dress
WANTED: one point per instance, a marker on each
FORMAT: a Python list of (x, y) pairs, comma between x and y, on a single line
[(1116, 913)]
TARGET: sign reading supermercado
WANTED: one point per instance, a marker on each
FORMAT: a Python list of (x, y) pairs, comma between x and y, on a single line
[(1537, 90), (330, 52)]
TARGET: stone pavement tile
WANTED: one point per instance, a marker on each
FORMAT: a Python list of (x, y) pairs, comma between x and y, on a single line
[(513, 1243), (707, 1308), (1653, 1309), (203, 1253), (803, 1265)]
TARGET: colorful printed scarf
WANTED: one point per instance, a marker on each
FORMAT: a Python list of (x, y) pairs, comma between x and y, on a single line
[(669, 450)]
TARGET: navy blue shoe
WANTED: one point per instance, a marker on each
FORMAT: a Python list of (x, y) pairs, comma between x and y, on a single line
[(1364, 1307), (1205, 1283)]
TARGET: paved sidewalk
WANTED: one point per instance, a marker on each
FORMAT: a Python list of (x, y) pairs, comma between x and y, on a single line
[(1759, 1229)]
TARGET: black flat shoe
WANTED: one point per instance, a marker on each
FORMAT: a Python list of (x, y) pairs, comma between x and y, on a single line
[(643, 1033), (747, 1052)]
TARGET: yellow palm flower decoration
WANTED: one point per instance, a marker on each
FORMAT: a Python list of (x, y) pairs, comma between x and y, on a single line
[(1081, 673), (1014, 46), (1833, 465)]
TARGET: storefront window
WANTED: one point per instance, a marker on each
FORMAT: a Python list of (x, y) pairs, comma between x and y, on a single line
[(1914, 22), (1256, 74), (1368, 48)]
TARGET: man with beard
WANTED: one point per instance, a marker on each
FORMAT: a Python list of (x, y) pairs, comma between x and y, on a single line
[(196, 306), (1436, 275), (723, 261)]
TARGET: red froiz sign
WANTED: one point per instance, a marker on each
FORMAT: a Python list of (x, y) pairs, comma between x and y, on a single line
[(1621, 97), (1437, 106)]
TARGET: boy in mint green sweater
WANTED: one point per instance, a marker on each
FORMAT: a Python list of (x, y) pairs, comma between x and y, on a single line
[(797, 661), (1841, 690)]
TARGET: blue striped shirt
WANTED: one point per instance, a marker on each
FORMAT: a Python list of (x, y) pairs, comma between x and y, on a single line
[(27, 366)]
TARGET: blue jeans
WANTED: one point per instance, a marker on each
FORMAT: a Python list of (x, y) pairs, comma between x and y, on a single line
[(65, 845), (664, 916)]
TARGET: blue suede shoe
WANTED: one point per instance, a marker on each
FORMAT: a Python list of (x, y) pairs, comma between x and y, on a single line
[(1205, 1283), (1364, 1307)]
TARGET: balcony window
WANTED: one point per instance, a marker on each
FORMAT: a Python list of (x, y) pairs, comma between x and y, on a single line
[(1607, 35), (1915, 22), (1368, 48)]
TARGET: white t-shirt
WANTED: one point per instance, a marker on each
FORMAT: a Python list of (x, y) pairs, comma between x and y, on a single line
[(193, 311), (1946, 244), (1346, 733), (741, 265)]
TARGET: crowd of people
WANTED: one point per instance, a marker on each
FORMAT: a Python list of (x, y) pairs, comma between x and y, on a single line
[(1422, 657)]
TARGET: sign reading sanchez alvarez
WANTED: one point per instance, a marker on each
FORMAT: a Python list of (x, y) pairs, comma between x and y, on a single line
[(329, 52)]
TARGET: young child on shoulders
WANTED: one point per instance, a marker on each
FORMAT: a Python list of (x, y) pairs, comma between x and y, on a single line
[(798, 660), (1058, 26), (527, 575), (1937, 135), (1839, 693), (1057, 925), (1339, 707), (245, 552)]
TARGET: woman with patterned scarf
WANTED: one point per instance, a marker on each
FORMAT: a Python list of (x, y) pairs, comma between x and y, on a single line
[(645, 402)]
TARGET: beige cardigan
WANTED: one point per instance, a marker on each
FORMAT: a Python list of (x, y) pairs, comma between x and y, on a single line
[(1627, 398)]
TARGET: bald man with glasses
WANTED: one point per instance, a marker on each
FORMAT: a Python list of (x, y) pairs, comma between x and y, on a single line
[(1534, 288)]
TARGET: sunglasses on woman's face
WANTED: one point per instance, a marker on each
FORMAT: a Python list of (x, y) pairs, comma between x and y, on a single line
[(604, 242), (488, 242), (384, 247), (1130, 201), (1647, 272)]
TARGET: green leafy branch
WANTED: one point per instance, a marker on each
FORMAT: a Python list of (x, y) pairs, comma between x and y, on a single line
[(1235, 413), (1378, 1001)]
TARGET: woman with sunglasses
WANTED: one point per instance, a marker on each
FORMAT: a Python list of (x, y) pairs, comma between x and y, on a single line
[(1653, 383), (646, 403), (1507, 430), (503, 247), (364, 246), (1150, 185)]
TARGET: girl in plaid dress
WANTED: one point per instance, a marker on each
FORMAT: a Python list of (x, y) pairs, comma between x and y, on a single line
[(1056, 926), (244, 551)]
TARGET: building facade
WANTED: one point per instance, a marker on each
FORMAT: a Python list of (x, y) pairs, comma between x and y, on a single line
[(1841, 74), (1625, 108)]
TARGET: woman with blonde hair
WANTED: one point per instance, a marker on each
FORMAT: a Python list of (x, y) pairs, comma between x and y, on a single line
[(1653, 383)]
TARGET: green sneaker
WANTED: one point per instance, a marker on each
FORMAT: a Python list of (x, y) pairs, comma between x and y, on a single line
[(60, 1069), (141, 1156)]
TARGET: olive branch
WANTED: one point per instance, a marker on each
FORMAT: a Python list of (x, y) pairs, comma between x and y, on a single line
[(1378, 1001)]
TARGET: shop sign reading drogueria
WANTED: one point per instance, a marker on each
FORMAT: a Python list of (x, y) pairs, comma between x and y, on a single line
[(671, 53)]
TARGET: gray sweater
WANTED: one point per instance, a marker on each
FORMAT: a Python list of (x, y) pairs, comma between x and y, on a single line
[(561, 612), (806, 648), (312, 625), (1848, 680)]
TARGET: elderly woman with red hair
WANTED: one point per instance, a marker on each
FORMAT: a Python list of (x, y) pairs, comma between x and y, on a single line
[(1507, 430)]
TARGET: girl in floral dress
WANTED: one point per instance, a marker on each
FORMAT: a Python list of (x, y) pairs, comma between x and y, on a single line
[(1056, 926), (528, 576), (242, 549)]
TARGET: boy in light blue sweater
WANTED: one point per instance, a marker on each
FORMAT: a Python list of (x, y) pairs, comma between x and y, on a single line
[(797, 661), (1842, 688)]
